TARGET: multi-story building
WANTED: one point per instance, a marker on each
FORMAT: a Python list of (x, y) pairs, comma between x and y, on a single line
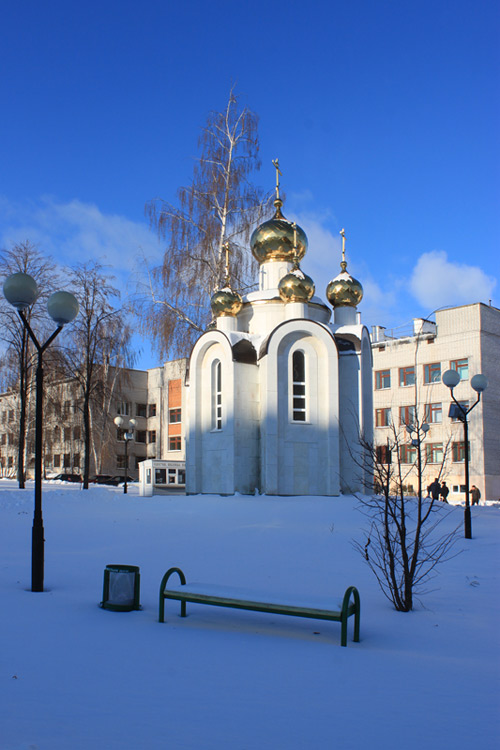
[(154, 398), (407, 371)]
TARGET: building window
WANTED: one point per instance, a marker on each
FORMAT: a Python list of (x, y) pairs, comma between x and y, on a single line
[(141, 410), (216, 397), (382, 417), (67, 461), (383, 454), (10, 462), (140, 436), (407, 454), (174, 415), (67, 409), (67, 434), (433, 413), (407, 415), (455, 413), (120, 433), (4, 438), (76, 461), (458, 452), (434, 453), (432, 373), (76, 433), (462, 367), (57, 460), (120, 462), (172, 476), (174, 443), (298, 387), (152, 436), (382, 379), (152, 410), (407, 375), (160, 476), (123, 408)]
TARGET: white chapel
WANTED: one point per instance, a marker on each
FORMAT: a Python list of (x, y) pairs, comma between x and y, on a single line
[(278, 393)]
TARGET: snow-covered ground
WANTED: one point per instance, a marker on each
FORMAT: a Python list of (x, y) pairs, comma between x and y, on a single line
[(76, 676)]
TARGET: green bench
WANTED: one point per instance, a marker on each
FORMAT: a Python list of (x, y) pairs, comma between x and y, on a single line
[(226, 596)]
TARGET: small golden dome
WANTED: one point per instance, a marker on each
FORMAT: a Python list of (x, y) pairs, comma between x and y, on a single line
[(296, 286), (273, 240), (344, 290), (225, 302)]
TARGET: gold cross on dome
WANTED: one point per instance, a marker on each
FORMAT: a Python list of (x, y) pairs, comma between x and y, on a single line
[(342, 234), (295, 249), (226, 248), (276, 165)]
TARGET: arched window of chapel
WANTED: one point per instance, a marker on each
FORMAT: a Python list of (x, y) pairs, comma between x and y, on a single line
[(298, 386), (217, 394)]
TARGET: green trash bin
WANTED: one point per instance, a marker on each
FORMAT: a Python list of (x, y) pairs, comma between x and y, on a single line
[(121, 588)]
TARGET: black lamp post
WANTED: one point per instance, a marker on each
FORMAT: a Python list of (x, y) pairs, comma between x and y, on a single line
[(21, 291), (417, 433), (125, 425), (479, 383)]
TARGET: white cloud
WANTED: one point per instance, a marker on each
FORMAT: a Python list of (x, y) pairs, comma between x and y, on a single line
[(437, 282), (77, 232)]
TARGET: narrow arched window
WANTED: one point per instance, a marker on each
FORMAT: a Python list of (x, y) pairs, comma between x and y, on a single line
[(217, 395), (298, 387)]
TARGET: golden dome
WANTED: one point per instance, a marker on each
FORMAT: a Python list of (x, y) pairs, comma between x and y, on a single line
[(225, 302), (344, 290), (296, 286), (273, 240)]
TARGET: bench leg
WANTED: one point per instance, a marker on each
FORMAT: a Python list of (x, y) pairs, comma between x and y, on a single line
[(356, 624), (183, 609), (343, 637)]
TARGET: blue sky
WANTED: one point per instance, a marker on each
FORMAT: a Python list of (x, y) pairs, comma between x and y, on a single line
[(384, 116)]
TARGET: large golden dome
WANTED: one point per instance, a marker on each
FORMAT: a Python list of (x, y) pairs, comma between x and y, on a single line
[(225, 302), (296, 286), (274, 239), (344, 290)]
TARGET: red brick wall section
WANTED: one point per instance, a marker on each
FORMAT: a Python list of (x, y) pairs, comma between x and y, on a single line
[(175, 400)]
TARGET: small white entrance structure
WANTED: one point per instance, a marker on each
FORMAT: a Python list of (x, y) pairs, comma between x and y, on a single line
[(157, 477)]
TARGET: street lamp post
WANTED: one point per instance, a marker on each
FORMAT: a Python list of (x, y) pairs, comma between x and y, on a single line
[(125, 425), (417, 433), (21, 291), (479, 383)]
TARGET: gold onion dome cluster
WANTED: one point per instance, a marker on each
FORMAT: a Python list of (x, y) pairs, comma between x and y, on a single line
[(225, 302), (274, 239), (344, 290), (296, 286)]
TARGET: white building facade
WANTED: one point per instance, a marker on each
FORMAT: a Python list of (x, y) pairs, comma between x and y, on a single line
[(407, 373)]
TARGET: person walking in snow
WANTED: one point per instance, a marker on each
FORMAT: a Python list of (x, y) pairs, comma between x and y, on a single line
[(475, 494), (435, 489), (444, 492)]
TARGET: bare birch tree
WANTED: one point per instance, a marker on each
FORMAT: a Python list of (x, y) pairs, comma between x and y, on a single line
[(98, 337), (220, 205), (26, 258)]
